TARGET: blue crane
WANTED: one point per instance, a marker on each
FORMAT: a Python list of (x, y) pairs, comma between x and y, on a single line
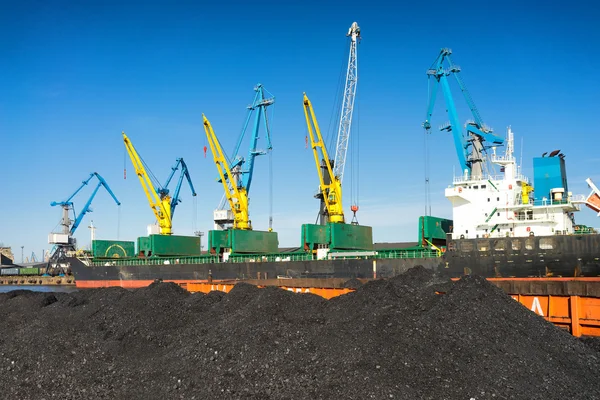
[(65, 242), (164, 190), (68, 204), (477, 137), (246, 165), (243, 168)]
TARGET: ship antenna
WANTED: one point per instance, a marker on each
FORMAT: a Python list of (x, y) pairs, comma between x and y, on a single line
[(521, 160)]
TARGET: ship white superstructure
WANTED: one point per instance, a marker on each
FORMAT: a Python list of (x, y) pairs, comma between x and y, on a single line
[(503, 205)]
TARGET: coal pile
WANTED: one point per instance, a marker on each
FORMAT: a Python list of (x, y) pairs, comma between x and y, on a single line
[(390, 339)]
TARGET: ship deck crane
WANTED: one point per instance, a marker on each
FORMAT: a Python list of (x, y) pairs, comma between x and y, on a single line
[(330, 186), (236, 195), (65, 242), (162, 204), (333, 233), (242, 169), (473, 142)]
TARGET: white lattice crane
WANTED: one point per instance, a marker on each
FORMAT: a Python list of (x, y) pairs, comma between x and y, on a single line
[(343, 135)]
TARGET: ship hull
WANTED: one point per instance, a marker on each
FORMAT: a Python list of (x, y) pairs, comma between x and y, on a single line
[(566, 256), (142, 275), (560, 255)]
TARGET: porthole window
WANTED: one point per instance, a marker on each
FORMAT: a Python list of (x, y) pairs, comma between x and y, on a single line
[(483, 245), (466, 246), (529, 243), (546, 243)]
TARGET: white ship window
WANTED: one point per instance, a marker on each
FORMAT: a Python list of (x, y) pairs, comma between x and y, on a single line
[(498, 214), (483, 245), (529, 243), (516, 244), (497, 198), (466, 246), (546, 243), (499, 245), (488, 199), (483, 186), (475, 187)]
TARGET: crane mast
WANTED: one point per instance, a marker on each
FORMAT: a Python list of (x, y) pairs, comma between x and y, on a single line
[(237, 196), (345, 124), (160, 204), (330, 186), (471, 144)]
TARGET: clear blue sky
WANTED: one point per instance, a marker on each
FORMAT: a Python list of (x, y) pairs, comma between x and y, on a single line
[(73, 75)]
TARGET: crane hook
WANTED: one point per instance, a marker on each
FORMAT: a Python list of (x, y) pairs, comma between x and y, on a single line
[(354, 209)]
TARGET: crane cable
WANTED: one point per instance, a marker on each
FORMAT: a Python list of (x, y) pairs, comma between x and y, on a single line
[(270, 163), (195, 214), (426, 159), (336, 107)]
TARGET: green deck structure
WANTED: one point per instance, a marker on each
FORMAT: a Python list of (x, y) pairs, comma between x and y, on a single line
[(243, 241), (337, 237), (168, 246), (434, 230), (112, 249)]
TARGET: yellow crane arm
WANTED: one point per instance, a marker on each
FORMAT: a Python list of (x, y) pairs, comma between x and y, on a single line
[(160, 206), (332, 191), (237, 197)]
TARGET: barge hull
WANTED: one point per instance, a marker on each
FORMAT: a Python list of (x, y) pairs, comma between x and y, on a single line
[(133, 276)]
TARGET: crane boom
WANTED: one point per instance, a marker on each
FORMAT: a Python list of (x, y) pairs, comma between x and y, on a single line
[(86, 208), (332, 191), (161, 206), (477, 137), (184, 173), (347, 105), (68, 204), (236, 196)]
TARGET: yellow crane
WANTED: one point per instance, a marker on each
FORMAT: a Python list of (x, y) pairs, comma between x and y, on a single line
[(236, 196), (331, 191), (160, 205)]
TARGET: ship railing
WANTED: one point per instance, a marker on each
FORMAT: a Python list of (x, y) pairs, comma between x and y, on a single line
[(155, 261), (543, 217), (493, 178), (550, 202), (400, 253), (578, 198), (277, 257)]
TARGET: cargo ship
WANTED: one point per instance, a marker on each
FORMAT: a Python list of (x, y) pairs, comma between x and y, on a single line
[(501, 227)]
